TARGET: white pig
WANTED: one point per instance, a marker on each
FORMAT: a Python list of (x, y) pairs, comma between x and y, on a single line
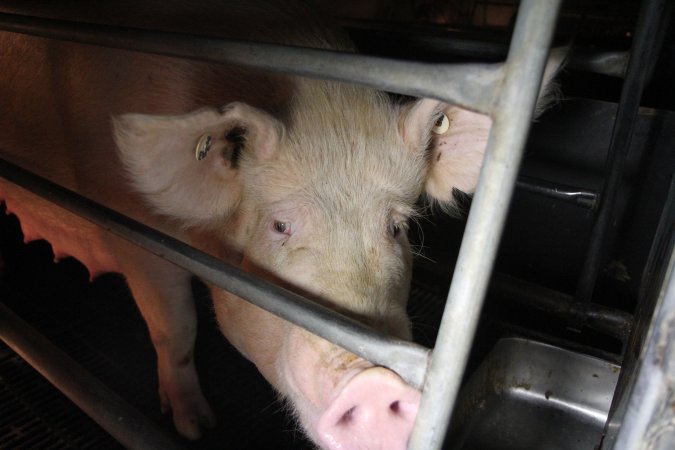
[(307, 183)]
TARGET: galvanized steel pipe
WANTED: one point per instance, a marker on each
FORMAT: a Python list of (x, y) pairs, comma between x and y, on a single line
[(511, 117), (131, 428), (470, 85), (649, 33)]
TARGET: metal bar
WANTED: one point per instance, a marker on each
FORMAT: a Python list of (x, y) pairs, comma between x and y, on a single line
[(643, 51), (569, 194), (649, 416), (425, 39), (609, 321), (439, 43), (644, 393), (511, 121), (407, 359), (131, 428), (470, 85), (606, 63)]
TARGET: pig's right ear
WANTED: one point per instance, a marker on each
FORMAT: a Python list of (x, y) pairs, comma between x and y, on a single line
[(187, 166)]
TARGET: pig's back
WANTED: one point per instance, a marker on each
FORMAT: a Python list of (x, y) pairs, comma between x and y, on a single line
[(59, 97)]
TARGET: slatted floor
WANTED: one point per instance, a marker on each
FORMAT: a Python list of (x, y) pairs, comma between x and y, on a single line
[(35, 415)]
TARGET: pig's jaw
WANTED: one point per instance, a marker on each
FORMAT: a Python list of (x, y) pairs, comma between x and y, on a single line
[(343, 402)]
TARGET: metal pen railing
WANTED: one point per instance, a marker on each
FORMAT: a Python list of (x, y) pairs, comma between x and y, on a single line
[(409, 360), (471, 85), (649, 35), (506, 91)]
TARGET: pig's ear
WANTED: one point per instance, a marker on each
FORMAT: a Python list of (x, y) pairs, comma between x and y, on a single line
[(455, 139), (417, 120), (459, 138), (187, 166), (458, 142)]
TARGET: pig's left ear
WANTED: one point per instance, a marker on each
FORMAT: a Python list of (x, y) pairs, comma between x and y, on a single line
[(457, 138), (458, 141), (187, 166)]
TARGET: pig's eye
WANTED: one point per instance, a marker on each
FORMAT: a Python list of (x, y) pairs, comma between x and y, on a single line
[(282, 227), (442, 124), (395, 228)]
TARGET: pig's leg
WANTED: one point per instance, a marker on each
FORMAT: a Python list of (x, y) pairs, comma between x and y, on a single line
[(164, 296)]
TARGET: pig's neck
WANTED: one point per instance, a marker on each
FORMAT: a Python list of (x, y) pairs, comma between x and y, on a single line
[(255, 333)]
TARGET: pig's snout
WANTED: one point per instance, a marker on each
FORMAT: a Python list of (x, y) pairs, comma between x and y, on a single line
[(375, 410)]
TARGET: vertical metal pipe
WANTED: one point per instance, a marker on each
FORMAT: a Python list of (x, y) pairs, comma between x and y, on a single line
[(512, 116), (641, 414), (647, 42)]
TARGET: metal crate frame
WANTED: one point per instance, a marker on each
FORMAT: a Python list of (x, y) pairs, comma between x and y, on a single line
[(507, 92)]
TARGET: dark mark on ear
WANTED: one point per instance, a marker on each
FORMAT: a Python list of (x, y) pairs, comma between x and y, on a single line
[(236, 140)]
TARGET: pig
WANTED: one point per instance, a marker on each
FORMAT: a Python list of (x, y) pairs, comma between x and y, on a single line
[(308, 183)]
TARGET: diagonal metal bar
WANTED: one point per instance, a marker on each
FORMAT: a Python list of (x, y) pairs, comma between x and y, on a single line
[(407, 359), (470, 85), (126, 424), (512, 116)]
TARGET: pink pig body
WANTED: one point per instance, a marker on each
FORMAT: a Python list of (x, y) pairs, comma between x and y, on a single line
[(309, 183)]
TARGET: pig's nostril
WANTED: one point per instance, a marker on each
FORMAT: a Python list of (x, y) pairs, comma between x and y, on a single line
[(347, 417), (395, 407)]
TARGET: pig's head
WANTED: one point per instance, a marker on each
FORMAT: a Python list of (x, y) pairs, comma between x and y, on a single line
[(319, 199)]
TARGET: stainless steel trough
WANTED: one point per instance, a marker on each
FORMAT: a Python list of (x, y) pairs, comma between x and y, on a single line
[(530, 395)]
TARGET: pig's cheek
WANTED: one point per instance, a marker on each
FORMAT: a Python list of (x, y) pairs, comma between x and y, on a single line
[(297, 364), (266, 248), (257, 334), (301, 273), (280, 264)]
